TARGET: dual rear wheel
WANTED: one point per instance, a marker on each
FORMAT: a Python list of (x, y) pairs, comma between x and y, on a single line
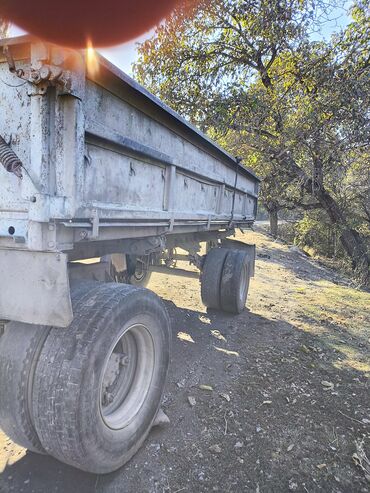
[(225, 280), (87, 395)]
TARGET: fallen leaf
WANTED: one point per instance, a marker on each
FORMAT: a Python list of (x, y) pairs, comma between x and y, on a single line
[(327, 385), (192, 401), (356, 459), (217, 334), (183, 336), (291, 447), (226, 351), (321, 466), (225, 396), (206, 387)]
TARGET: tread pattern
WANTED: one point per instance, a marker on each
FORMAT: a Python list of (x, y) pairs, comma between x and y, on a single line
[(19, 348), (65, 381), (236, 261), (211, 277)]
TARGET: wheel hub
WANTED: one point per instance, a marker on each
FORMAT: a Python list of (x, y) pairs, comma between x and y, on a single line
[(126, 377)]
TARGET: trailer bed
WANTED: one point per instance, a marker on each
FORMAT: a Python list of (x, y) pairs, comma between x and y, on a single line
[(103, 161)]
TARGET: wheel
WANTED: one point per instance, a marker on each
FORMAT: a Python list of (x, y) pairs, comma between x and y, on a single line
[(20, 346), (138, 275), (234, 282), (98, 384), (211, 277)]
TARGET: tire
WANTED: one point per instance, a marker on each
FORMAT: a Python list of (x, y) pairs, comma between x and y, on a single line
[(20, 346), (88, 411), (137, 277), (141, 280), (133, 275), (235, 282), (211, 277)]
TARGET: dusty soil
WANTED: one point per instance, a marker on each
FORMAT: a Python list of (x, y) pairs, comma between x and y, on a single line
[(289, 400)]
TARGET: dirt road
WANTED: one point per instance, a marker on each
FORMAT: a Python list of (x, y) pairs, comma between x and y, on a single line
[(289, 401)]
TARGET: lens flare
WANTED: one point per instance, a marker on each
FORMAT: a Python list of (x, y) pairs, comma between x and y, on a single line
[(92, 62)]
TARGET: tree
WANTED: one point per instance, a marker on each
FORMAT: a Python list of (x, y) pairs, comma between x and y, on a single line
[(248, 73)]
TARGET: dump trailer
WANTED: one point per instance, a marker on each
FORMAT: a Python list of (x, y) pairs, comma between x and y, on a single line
[(102, 184)]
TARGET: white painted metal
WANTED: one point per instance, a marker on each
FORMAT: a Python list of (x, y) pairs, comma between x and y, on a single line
[(36, 288), (103, 160)]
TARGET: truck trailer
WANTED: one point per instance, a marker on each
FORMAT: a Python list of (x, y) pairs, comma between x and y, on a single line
[(102, 184)]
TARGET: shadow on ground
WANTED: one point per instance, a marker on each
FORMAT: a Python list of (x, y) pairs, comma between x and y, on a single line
[(269, 424)]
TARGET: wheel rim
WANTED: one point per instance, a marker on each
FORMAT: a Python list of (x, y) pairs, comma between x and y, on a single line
[(140, 276), (140, 271), (126, 377), (243, 285)]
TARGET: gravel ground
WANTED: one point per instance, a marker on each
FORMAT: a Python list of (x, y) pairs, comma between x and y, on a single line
[(273, 400)]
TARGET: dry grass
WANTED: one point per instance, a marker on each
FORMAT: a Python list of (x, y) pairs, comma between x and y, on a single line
[(361, 460), (338, 315)]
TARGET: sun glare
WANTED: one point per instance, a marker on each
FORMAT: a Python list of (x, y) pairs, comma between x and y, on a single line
[(92, 62)]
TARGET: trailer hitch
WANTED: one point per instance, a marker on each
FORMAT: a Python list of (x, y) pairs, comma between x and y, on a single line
[(9, 159)]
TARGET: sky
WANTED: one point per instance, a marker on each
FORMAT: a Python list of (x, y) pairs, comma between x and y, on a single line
[(124, 55), (339, 18)]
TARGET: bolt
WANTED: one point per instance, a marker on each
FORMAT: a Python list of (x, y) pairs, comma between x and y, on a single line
[(51, 244), (51, 227), (124, 360), (45, 73)]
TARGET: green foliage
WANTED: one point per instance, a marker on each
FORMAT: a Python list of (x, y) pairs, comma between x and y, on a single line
[(296, 110), (315, 232)]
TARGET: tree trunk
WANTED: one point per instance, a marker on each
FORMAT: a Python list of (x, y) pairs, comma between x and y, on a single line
[(351, 240), (353, 244), (274, 223)]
